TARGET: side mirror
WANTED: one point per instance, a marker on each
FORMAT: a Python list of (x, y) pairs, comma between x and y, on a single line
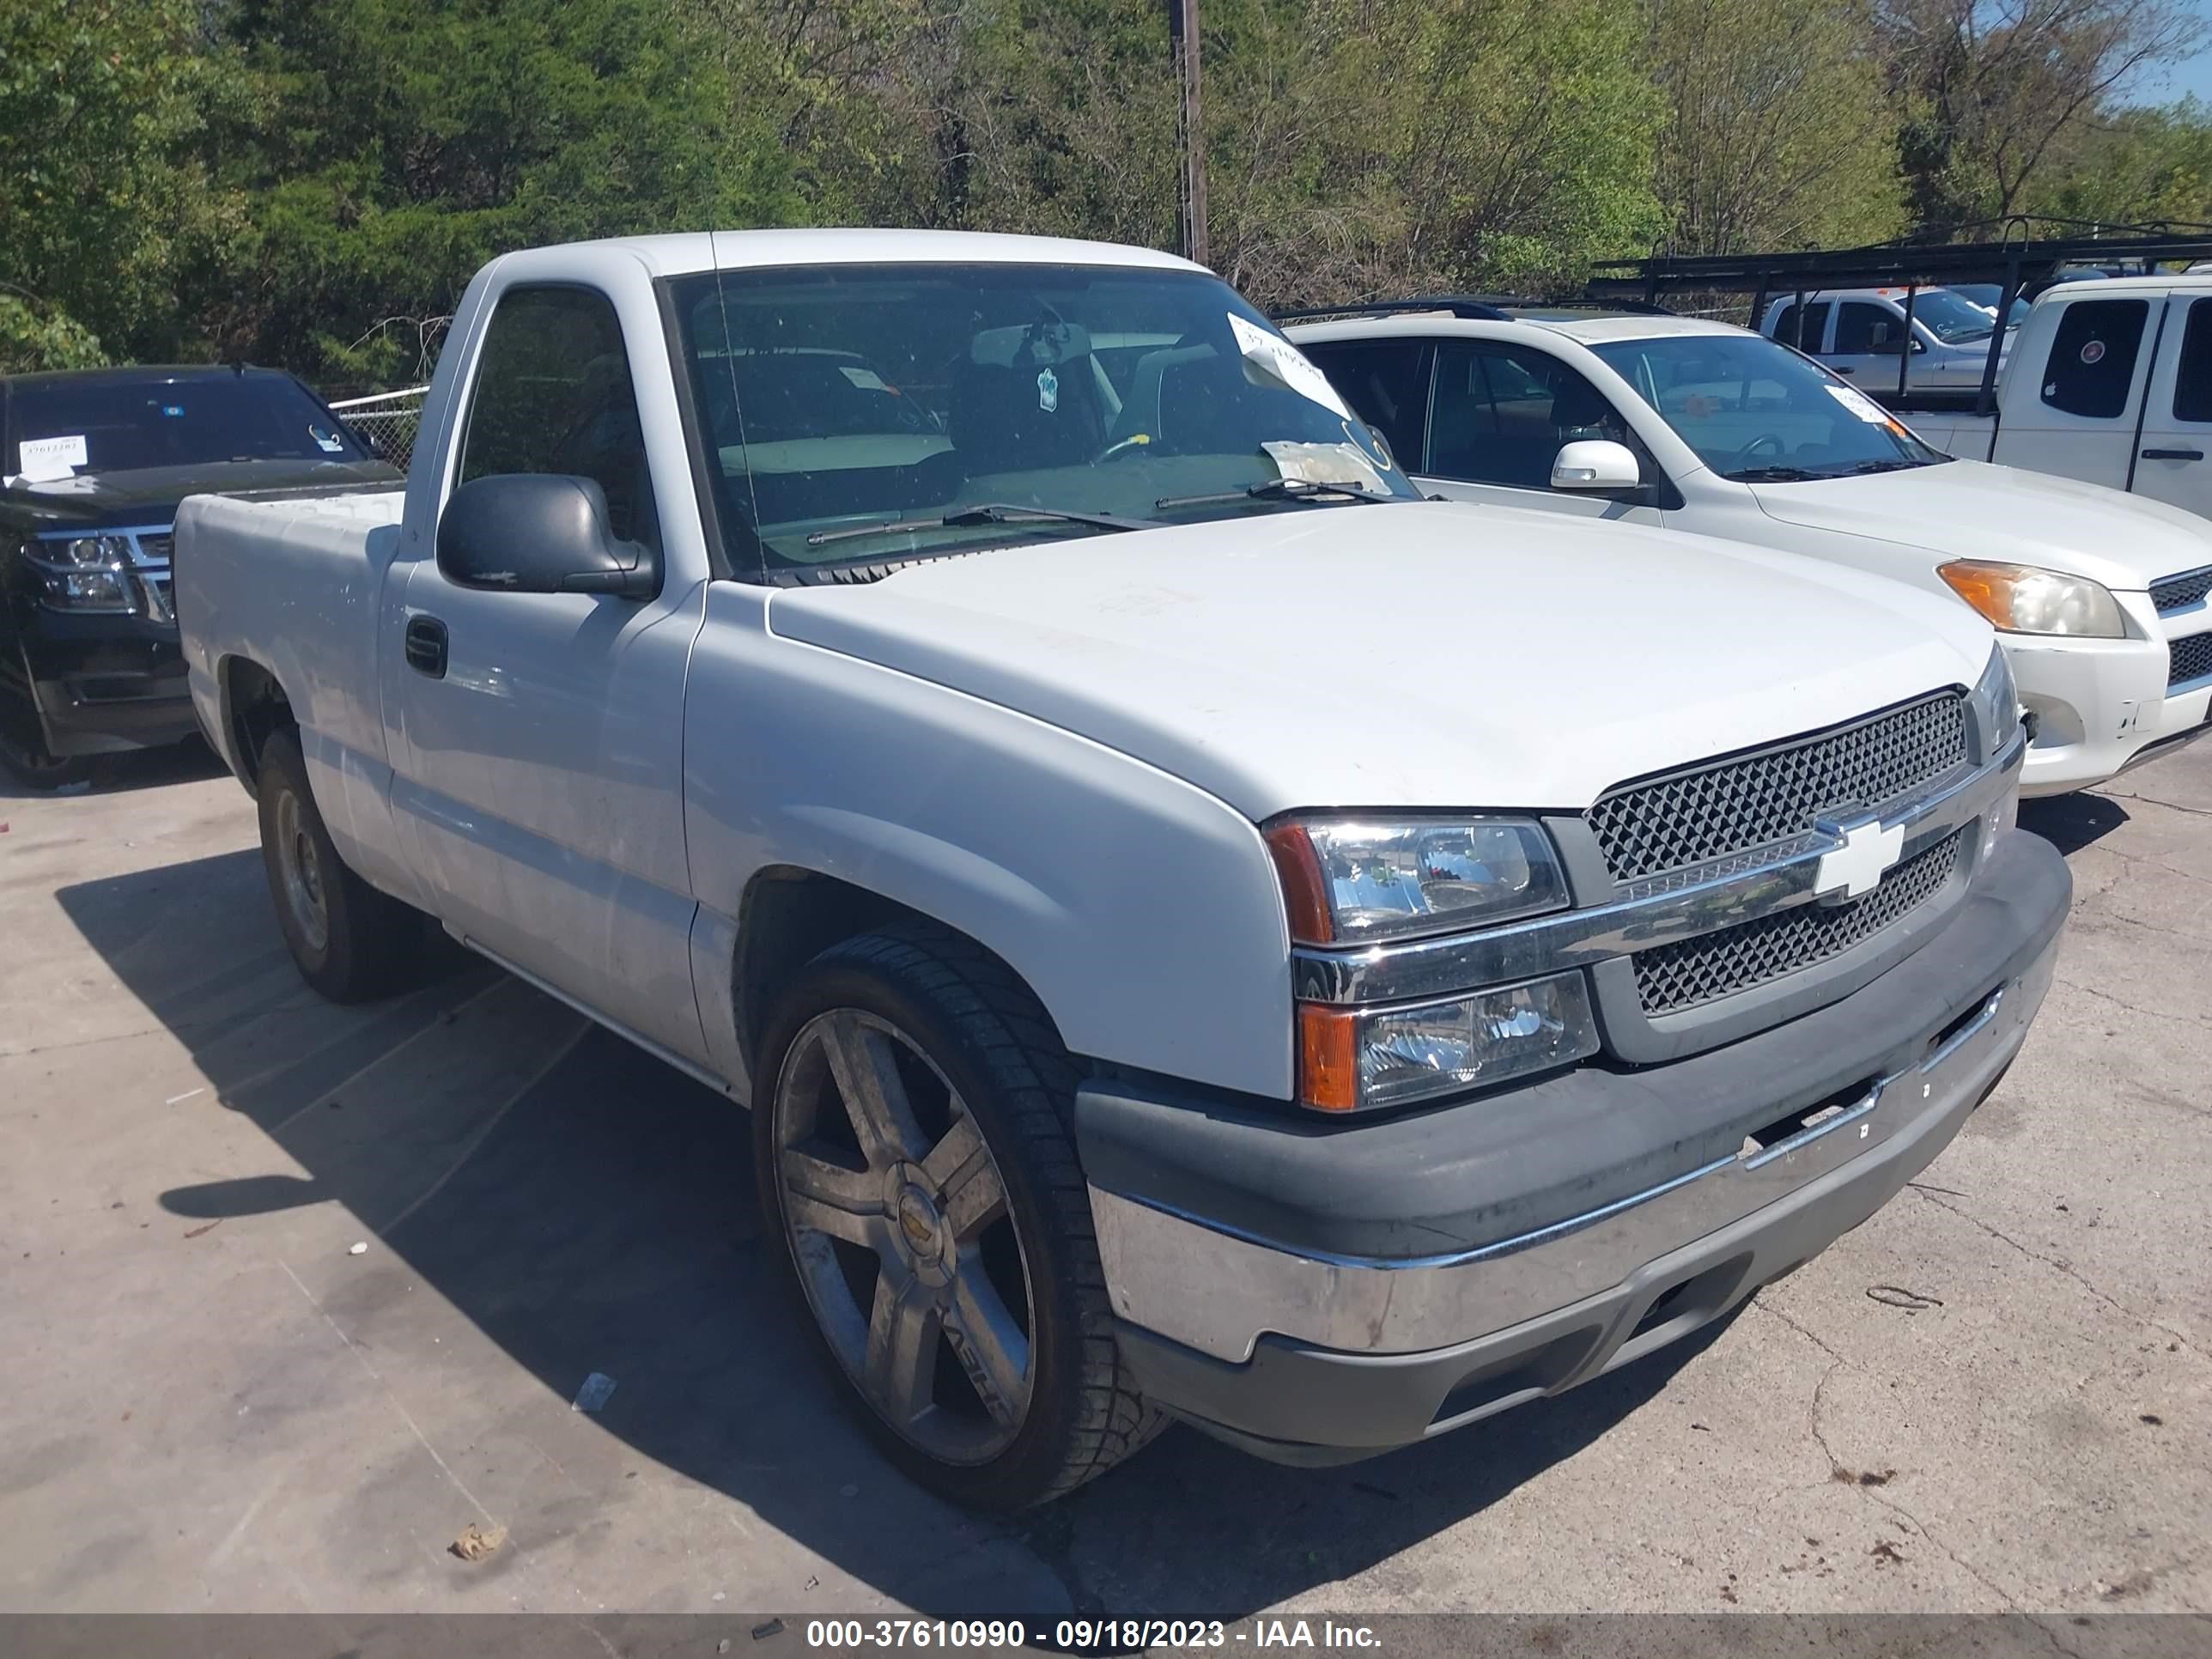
[(536, 532), (1597, 466)]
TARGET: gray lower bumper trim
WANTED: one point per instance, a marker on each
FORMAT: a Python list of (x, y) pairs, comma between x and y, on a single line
[(1219, 1294), (1298, 1402)]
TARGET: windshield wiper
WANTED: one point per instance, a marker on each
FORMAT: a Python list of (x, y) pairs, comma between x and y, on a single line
[(1284, 489), (1886, 466), (985, 513), (1774, 475)]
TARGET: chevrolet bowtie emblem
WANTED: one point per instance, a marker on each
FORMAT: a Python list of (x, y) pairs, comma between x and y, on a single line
[(1855, 869)]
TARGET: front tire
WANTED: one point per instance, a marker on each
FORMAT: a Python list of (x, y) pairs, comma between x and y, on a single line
[(920, 1188), (30, 764), (350, 942)]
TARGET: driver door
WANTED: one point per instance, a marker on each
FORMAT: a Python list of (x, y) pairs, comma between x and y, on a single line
[(1500, 412), (541, 788)]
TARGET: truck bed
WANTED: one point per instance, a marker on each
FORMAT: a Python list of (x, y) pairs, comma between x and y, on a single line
[(295, 585)]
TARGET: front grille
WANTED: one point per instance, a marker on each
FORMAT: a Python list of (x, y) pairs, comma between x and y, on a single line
[(2188, 659), (1672, 977), (2172, 593), (154, 549), (1719, 807)]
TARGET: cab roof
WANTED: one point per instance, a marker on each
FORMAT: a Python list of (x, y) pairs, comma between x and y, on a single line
[(685, 253), (1589, 328)]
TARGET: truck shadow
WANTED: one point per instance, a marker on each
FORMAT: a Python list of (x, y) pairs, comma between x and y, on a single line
[(2069, 823), (598, 1215), (139, 768)]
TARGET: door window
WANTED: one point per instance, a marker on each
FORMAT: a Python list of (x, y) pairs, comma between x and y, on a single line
[(1501, 414), (2093, 360), (2192, 375), (1815, 325), (553, 394), (1862, 328), (1387, 384)]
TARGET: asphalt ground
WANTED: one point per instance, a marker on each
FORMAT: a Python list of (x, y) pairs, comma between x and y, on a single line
[(1994, 1395)]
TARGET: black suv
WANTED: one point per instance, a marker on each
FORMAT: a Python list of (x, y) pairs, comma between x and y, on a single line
[(93, 464)]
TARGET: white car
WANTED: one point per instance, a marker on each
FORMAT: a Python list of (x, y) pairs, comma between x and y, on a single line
[(2099, 597), (1202, 931)]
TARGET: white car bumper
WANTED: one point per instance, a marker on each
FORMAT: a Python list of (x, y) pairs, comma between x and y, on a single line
[(2100, 705)]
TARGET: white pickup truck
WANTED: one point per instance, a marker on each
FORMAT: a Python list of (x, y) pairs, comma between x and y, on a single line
[(1699, 426), (1202, 931), (2109, 381), (1861, 333)]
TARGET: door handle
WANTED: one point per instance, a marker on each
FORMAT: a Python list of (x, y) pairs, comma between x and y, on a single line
[(2173, 455), (1843, 368), (426, 646)]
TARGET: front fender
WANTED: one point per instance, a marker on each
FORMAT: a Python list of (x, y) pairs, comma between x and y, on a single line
[(1143, 912)]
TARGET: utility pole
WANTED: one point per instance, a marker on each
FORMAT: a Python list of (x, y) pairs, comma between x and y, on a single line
[(1190, 130)]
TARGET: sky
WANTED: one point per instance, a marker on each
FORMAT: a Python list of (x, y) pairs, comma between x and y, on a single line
[(2193, 78)]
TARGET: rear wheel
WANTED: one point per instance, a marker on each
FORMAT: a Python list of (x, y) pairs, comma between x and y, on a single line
[(351, 942), (920, 1184)]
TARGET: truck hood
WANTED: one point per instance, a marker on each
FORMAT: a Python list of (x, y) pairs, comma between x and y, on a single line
[(149, 495), (1971, 510), (1420, 654)]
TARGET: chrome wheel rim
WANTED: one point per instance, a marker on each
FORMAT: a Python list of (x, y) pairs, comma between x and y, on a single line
[(897, 1215), (301, 866)]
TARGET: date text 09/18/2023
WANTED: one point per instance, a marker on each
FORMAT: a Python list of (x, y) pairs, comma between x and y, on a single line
[(1086, 1636)]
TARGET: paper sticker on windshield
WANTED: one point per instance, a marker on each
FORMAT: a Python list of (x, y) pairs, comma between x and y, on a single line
[(1327, 464), (1048, 390), (327, 440), (867, 378), (1860, 405), (42, 460), (1275, 359)]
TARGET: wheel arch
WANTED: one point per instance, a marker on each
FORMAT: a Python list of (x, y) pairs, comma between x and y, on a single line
[(255, 705), (787, 915)]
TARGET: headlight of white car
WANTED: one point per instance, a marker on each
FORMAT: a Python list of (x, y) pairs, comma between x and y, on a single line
[(1361, 1060), (1350, 881), (2022, 599), (1997, 704)]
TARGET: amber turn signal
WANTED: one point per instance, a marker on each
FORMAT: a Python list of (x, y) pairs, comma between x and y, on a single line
[(1328, 1077)]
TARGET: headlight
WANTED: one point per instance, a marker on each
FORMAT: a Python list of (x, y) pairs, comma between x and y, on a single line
[(1353, 1060), (1351, 881), (86, 573), (1997, 704), (2022, 599)]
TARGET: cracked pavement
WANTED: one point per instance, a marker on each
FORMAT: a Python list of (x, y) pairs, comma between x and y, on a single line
[(1994, 1396)]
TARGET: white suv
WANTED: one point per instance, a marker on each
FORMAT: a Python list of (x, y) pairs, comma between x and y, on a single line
[(1703, 427)]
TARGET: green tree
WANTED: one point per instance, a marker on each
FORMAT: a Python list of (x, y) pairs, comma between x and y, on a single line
[(1778, 133), (396, 145), (1519, 135), (1997, 91), (103, 204)]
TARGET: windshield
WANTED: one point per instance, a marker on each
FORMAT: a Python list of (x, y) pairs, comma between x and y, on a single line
[(200, 420), (849, 411), (1985, 296), (1951, 318), (1757, 411)]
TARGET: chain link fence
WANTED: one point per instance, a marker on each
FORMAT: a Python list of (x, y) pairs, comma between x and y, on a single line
[(387, 422)]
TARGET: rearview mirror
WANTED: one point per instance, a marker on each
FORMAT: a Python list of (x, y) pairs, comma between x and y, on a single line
[(1595, 465), (536, 532)]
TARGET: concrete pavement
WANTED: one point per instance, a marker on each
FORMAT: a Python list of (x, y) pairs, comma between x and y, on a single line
[(1994, 1395)]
